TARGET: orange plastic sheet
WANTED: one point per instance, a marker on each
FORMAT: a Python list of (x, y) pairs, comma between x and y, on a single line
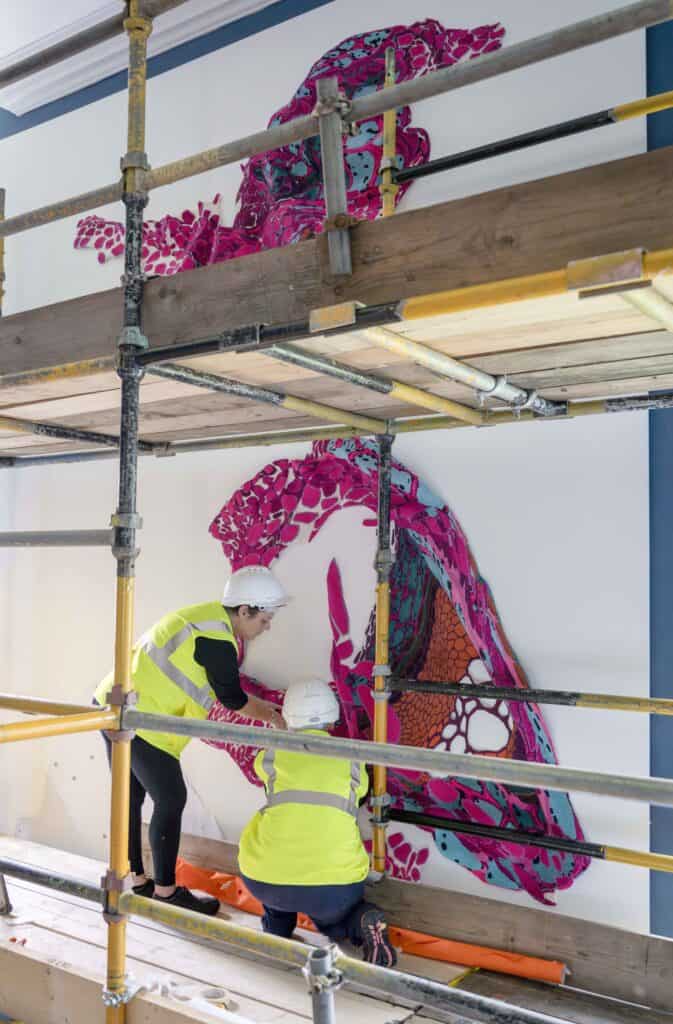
[(231, 890)]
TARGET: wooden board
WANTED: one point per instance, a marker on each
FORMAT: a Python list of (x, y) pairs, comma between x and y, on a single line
[(263, 990), (602, 959), (566, 1003), (519, 230)]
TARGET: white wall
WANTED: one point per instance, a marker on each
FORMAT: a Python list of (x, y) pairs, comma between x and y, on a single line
[(233, 91), (561, 539), (556, 514)]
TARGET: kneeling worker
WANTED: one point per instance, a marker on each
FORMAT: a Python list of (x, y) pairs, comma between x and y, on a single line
[(179, 667), (303, 851)]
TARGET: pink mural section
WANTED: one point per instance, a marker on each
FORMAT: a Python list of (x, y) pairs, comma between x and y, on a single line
[(280, 199), (444, 627)]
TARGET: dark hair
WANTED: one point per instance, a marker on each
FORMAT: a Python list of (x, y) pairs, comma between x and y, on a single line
[(251, 608)]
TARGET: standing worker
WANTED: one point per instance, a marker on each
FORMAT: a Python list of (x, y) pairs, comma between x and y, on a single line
[(180, 667), (303, 851)]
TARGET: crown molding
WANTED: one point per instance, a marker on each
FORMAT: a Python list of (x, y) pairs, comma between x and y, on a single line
[(181, 25)]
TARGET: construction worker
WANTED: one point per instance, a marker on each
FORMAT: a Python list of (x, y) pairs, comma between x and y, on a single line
[(179, 667), (303, 851)]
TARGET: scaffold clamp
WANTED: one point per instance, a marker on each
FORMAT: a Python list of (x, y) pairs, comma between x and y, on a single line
[(121, 998), (118, 698)]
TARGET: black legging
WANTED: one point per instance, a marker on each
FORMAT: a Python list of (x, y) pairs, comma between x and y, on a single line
[(155, 772)]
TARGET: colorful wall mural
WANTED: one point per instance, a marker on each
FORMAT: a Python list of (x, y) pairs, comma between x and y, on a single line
[(444, 627)]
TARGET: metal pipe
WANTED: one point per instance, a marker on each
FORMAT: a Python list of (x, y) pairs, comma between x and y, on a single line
[(56, 539), (470, 766), (323, 979), (3, 196), (574, 126), (389, 187), (84, 40), (407, 987), (333, 174), (5, 902), (492, 387), (409, 424), (38, 706), (126, 520), (61, 883), (213, 382), (62, 725), (579, 848), (383, 564), (66, 433), (510, 58), (559, 41), (381, 385), (565, 698)]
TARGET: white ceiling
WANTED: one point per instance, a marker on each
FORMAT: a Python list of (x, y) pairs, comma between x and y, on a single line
[(37, 24)]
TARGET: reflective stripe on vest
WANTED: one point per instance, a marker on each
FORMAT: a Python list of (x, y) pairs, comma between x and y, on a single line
[(309, 796), (160, 656)]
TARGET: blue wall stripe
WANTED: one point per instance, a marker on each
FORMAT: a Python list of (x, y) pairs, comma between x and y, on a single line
[(660, 133), (250, 25)]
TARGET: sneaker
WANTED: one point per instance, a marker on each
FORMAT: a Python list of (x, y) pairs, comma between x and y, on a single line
[(182, 897), (376, 946), (146, 889)]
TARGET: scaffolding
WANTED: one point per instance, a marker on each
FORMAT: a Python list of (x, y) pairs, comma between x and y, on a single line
[(325, 969)]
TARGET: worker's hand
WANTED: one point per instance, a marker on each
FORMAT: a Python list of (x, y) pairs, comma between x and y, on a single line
[(276, 720)]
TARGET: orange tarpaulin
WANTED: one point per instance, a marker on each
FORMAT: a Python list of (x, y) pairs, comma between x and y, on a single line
[(231, 890)]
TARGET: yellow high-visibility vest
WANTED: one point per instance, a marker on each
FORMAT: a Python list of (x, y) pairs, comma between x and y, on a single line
[(167, 678), (307, 833)]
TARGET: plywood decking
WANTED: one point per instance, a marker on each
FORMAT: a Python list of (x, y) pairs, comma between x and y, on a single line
[(69, 933), (563, 346)]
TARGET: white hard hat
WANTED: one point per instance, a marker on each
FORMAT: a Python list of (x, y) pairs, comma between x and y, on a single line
[(310, 704), (254, 585)]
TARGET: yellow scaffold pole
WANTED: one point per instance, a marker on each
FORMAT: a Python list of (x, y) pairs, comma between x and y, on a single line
[(126, 520), (388, 188)]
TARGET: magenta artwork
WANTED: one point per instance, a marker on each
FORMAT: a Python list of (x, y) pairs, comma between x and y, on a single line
[(280, 199), (444, 626), (444, 622)]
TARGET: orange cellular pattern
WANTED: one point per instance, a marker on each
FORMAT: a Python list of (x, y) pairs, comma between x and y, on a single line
[(423, 716)]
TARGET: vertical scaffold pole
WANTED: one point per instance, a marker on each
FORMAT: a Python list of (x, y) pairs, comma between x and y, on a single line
[(5, 902), (334, 175), (388, 187), (323, 980), (384, 560), (126, 520), (2, 250)]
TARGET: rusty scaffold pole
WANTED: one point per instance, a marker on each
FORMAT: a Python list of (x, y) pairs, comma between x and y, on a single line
[(126, 521)]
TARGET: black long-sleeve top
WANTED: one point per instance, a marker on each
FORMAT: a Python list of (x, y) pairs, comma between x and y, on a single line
[(219, 659)]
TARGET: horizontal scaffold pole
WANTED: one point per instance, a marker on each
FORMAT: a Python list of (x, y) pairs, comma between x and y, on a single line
[(410, 424), (565, 698), (576, 125), (56, 539), (496, 388), (61, 883), (473, 766), (40, 706), (84, 40), (57, 430), (511, 58), (580, 848), (380, 385), (375, 979), (61, 725), (395, 984), (213, 382)]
